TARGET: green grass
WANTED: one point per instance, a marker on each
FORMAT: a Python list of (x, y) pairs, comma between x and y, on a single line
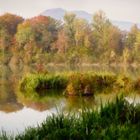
[(76, 83), (80, 83), (37, 82), (116, 120), (4, 136)]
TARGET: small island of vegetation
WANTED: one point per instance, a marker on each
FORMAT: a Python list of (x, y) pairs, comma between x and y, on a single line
[(76, 83)]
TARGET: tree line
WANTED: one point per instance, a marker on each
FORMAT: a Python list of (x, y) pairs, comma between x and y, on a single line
[(42, 39)]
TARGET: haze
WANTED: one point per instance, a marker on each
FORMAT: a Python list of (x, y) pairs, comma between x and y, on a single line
[(126, 10)]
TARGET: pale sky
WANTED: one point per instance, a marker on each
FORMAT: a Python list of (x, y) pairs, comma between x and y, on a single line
[(125, 10)]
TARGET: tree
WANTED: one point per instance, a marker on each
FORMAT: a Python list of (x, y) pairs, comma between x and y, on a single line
[(9, 22), (131, 37), (69, 29), (5, 39), (8, 28), (36, 36), (100, 31), (61, 44), (136, 50), (82, 32), (25, 33), (107, 38), (41, 30)]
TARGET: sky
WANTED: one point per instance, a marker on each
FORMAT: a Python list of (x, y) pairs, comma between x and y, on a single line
[(124, 10)]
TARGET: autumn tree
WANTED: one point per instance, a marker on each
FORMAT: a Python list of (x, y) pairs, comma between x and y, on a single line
[(41, 30), (69, 20), (131, 37), (10, 22), (82, 32), (135, 51), (131, 41), (8, 28), (62, 42), (36, 35), (25, 33), (107, 38)]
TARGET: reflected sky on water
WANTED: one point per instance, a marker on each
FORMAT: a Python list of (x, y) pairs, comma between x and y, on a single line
[(18, 112)]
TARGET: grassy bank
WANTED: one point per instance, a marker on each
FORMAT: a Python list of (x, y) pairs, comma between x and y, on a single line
[(118, 120), (36, 82), (77, 83)]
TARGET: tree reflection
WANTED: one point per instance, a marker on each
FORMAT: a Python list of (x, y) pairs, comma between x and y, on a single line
[(76, 103), (41, 101), (8, 101)]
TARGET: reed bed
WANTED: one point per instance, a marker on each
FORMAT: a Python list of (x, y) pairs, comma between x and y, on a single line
[(78, 83), (116, 120)]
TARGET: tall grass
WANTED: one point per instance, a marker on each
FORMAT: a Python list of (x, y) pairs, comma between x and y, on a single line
[(118, 120), (76, 83), (36, 82), (4, 136), (88, 83)]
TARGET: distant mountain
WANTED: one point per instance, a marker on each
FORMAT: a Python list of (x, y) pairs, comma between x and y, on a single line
[(124, 25), (84, 15), (59, 13), (56, 13)]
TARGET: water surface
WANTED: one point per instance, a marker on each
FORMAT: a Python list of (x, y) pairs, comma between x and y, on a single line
[(18, 112)]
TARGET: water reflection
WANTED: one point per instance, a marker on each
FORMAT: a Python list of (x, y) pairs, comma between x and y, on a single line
[(41, 101), (19, 110), (8, 102), (74, 103), (134, 72), (17, 122)]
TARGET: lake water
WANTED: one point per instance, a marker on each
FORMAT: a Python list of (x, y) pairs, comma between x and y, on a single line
[(18, 112)]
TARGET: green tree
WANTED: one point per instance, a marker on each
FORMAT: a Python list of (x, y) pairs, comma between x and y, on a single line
[(82, 32), (69, 20), (25, 33), (136, 48), (131, 37), (107, 38)]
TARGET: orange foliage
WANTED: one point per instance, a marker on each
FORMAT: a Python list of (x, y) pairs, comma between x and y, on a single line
[(10, 22)]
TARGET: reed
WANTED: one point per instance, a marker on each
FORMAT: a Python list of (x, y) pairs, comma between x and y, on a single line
[(115, 120), (76, 83)]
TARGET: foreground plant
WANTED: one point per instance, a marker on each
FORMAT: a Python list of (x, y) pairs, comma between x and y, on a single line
[(118, 120)]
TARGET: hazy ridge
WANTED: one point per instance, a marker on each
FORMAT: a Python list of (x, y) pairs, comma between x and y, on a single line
[(58, 14)]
